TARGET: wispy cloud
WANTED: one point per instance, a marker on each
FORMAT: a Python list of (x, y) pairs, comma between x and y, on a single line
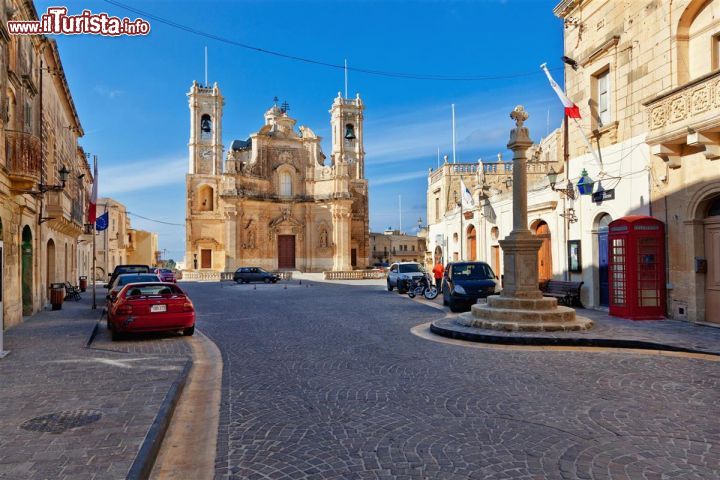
[(400, 177), (417, 134), (142, 174), (110, 93)]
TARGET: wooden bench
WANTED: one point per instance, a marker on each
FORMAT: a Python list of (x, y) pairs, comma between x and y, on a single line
[(566, 292), (72, 292)]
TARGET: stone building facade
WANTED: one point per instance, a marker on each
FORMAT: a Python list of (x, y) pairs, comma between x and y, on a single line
[(142, 248), (41, 228), (394, 246), (646, 77), (276, 202), (649, 79)]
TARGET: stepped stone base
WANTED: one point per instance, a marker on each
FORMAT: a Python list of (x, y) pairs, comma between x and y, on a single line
[(523, 314)]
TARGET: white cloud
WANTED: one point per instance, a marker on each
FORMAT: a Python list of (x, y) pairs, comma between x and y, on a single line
[(139, 175), (401, 177), (418, 133), (110, 93)]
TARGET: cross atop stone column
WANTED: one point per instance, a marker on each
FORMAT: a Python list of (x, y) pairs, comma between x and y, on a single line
[(520, 248), (521, 305)]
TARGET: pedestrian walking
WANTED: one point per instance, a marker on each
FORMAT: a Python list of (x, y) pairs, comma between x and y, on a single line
[(438, 272)]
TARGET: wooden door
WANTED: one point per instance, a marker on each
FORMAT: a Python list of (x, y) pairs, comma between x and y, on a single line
[(712, 278), (353, 257), (496, 259), (286, 251), (545, 253), (471, 244), (205, 258)]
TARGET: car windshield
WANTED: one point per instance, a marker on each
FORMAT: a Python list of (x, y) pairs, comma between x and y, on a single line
[(472, 271), (125, 279), (411, 268), (137, 269), (149, 290), (260, 270)]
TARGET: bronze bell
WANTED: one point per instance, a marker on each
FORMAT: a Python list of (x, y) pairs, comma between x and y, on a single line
[(349, 132)]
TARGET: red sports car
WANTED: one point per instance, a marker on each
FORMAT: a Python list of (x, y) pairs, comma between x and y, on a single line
[(166, 275), (151, 307)]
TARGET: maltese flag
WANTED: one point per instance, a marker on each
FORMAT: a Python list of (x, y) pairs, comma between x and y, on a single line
[(467, 199), (571, 110)]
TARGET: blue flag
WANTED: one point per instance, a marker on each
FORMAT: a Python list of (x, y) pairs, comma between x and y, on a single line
[(102, 222)]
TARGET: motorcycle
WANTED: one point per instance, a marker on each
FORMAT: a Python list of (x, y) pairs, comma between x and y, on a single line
[(422, 286)]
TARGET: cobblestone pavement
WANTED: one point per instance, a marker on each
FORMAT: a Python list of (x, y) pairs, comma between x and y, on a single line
[(104, 402), (326, 381)]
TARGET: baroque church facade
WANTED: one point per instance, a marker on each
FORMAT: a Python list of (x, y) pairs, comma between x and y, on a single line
[(277, 201)]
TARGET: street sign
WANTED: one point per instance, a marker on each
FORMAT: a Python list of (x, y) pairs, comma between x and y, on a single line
[(602, 195)]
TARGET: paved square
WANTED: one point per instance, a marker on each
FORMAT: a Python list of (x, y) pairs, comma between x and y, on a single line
[(326, 381)]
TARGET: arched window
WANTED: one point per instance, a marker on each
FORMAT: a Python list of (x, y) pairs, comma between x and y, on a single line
[(713, 211), (285, 184), (206, 198), (698, 40), (205, 127)]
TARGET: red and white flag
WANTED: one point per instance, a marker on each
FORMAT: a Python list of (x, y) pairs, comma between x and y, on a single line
[(571, 110), (92, 203)]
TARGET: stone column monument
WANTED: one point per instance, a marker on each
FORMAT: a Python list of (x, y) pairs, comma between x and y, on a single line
[(521, 305)]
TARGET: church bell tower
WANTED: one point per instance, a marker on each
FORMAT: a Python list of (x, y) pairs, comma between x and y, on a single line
[(346, 120), (205, 143)]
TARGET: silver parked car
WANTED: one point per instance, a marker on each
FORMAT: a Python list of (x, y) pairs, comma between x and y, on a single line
[(401, 272)]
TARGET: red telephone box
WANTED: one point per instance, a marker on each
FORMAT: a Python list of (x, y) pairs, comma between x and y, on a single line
[(637, 268)]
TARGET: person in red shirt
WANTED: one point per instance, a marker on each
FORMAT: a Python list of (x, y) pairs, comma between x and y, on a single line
[(438, 272)]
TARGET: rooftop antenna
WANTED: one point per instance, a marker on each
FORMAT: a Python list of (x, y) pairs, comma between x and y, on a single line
[(400, 211), (453, 130), (206, 80), (346, 79)]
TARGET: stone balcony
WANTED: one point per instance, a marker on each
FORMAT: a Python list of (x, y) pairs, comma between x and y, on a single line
[(686, 120), (63, 213), (23, 160)]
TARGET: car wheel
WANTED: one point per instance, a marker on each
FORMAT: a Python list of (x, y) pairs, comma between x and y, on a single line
[(454, 307), (238, 281), (189, 331), (115, 335), (389, 286)]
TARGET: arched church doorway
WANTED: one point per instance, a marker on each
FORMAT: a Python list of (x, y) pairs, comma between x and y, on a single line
[(471, 243), (542, 231), (26, 253), (603, 286), (712, 254)]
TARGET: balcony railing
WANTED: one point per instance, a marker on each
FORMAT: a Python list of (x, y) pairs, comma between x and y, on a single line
[(695, 106), (23, 153)]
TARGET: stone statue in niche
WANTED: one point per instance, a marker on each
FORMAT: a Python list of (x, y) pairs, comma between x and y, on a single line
[(251, 239), (323, 238)]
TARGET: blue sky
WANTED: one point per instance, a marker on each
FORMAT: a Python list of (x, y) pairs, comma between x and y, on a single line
[(130, 91)]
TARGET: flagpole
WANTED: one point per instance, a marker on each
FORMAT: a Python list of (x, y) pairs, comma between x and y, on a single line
[(453, 130), (462, 256), (94, 304), (92, 221)]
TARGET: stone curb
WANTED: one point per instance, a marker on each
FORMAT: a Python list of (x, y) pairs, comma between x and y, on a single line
[(145, 459), (94, 331), (559, 342)]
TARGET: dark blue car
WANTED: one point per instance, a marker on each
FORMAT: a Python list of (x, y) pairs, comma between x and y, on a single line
[(465, 282)]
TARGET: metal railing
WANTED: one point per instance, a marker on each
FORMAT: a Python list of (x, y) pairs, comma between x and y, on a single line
[(24, 154)]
